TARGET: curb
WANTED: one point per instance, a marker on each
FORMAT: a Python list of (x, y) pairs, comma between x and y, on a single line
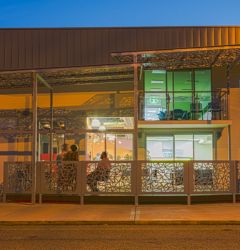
[(72, 223)]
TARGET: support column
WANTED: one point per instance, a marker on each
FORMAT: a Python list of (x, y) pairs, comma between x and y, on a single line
[(229, 143), (51, 126), (228, 77), (135, 89), (34, 138), (229, 126), (135, 137)]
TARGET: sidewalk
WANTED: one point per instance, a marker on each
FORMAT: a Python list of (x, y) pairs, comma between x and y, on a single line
[(118, 214)]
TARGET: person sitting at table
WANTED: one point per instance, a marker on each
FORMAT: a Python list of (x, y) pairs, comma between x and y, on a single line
[(101, 173)]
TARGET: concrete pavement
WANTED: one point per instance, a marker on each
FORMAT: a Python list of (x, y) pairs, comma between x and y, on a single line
[(18, 213)]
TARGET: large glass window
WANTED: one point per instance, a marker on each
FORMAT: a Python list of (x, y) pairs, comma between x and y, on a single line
[(183, 147), (203, 147), (118, 146), (155, 80), (106, 123), (182, 93), (177, 95), (180, 147), (159, 148), (155, 94), (203, 94)]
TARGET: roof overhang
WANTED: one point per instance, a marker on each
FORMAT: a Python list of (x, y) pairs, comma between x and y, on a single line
[(172, 59), (67, 79)]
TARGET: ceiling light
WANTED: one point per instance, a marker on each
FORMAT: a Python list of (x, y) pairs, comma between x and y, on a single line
[(95, 123)]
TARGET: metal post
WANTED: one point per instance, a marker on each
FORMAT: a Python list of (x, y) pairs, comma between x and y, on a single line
[(228, 77), (135, 141), (34, 137), (233, 166), (229, 143), (190, 180), (51, 125)]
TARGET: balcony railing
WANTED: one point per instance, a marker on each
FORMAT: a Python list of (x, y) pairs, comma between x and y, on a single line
[(129, 178), (183, 105)]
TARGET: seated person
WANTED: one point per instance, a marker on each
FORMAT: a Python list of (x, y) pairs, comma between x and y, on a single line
[(101, 173)]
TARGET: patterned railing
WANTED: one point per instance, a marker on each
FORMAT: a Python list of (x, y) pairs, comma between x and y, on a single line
[(116, 180), (17, 177), (162, 177), (210, 176), (183, 105), (1, 192), (125, 177), (59, 177), (238, 176)]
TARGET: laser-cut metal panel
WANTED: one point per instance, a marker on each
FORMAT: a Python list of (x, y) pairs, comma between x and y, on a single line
[(117, 180), (60, 177), (211, 176), (17, 177), (162, 177), (238, 176)]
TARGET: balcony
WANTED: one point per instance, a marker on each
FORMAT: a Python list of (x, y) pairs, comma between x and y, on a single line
[(183, 107)]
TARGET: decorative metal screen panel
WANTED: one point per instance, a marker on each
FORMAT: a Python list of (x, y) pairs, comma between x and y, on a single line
[(116, 180), (211, 176), (59, 177), (238, 176), (18, 177), (1, 192), (162, 177)]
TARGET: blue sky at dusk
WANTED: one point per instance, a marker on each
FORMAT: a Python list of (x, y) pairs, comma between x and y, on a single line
[(112, 13)]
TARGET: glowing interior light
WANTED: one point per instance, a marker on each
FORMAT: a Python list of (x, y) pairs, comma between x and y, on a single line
[(95, 123), (102, 128)]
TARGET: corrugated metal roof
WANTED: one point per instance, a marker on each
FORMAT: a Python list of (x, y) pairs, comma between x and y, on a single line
[(53, 48)]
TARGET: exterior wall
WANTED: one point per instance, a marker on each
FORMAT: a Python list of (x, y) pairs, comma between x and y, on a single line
[(235, 117), (219, 77), (222, 142), (52, 48)]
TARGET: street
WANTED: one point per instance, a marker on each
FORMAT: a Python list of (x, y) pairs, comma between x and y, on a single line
[(120, 237)]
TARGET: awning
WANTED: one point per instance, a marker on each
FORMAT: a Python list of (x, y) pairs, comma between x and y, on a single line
[(69, 77), (204, 57)]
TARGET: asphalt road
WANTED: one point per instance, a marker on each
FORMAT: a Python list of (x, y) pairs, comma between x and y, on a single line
[(119, 237)]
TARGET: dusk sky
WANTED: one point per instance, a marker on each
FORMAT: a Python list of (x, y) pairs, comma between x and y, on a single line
[(108, 13)]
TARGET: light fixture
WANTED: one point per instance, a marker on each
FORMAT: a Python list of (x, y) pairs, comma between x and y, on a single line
[(102, 128), (46, 125), (201, 141), (95, 123)]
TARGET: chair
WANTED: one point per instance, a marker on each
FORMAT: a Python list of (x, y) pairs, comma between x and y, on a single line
[(179, 114), (195, 109), (162, 115), (214, 107)]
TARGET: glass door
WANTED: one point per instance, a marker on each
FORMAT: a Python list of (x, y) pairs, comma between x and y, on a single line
[(159, 148)]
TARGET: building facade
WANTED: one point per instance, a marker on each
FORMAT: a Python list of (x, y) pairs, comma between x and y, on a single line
[(150, 94)]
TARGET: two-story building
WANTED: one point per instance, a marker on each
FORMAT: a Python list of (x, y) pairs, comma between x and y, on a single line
[(152, 93)]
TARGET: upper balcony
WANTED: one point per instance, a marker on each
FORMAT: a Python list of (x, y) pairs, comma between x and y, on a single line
[(184, 107)]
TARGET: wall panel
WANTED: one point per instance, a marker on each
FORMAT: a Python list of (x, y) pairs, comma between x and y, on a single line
[(50, 48)]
